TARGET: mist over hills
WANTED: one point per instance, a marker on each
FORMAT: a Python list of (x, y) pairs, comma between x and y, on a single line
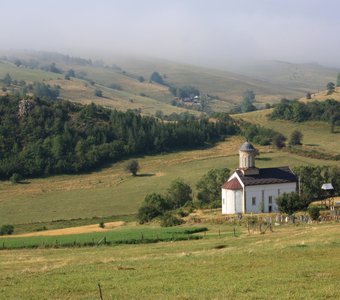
[(118, 76)]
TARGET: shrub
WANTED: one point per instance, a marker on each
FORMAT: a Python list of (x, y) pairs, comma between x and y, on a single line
[(179, 193), (153, 206), (291, 202), (169, 219), (102, 225), (295, 138), (15, 178), (314, 212), (6, 229), (98, 93), (133, 167), (209, 186), (115, 86)]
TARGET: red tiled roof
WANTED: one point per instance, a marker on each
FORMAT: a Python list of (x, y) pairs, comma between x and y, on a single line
[(233, 184)]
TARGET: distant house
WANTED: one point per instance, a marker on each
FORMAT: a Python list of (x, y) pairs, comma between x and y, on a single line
[(254, 190)]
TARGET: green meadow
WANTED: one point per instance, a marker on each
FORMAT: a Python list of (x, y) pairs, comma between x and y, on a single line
[(111, 191), (316, 134), (293, 262), (122, 235)]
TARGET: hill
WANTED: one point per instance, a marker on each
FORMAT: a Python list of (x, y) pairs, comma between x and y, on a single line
[(322, 96), (112, 191), (44, 136), (125, 80), (316, 134), (301, 78)]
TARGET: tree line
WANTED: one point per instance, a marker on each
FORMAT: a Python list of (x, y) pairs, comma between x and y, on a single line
[(42, 137), (328, 111), (311, 178), (178, 200)]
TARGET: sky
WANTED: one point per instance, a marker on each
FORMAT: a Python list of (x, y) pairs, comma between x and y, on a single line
[(204, 32)]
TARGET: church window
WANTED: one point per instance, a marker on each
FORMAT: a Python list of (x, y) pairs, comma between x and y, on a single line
[(270, 200), (253, 200), (278, 192), (223, 200)]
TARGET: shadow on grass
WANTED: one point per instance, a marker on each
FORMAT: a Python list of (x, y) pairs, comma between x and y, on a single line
[(313, 145), (264, 158), (145, 175), (23, 182)]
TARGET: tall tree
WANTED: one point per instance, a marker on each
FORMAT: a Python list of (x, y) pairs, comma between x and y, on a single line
[(247, 102), (7, 80), (279, 141), (156, 77), (338, 80), (295, 138), (179, 193), (209, 186), (330, 88)]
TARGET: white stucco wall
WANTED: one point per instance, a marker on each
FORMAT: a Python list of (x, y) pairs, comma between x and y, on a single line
[(229, 197), (232, 201), (273, 190)]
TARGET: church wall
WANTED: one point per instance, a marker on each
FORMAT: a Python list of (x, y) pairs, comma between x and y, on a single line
[(263, 192), (232, 201)]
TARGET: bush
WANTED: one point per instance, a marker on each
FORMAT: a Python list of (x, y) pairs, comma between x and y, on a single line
[(209, 186), (98, 93), (6, 229), (102, 225), (295, 138), (15, 178), (115, 86), (179, 193), (314, 212), (290, 202), (133, 167), (153, 206), (169, 219)]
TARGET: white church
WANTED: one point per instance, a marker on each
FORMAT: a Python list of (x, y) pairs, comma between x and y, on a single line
[(254, 190)]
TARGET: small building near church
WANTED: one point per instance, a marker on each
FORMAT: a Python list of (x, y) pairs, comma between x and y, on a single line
[(254, 190)]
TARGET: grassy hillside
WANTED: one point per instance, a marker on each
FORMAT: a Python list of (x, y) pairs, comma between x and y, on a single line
[(322, 96), (111, 191), (316, 134), (288, 263), (154, 97), (299, 77), (290, 81)]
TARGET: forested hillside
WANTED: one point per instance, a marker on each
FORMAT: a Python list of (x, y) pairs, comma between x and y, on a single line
[(296, 111), (42, 137)]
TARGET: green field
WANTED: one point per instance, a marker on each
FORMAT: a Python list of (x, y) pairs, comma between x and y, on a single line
[(112, 191), (316, 134), (124, 235), (293, 262)]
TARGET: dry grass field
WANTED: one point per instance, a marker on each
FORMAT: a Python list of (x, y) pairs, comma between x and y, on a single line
[(293, 262)]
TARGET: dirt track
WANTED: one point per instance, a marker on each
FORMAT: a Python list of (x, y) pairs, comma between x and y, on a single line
[(72, 230)]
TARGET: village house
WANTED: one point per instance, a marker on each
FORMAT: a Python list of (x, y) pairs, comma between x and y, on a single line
[(254, 190)]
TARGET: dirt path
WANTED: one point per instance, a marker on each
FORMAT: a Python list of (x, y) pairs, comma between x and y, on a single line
[(72, 230)]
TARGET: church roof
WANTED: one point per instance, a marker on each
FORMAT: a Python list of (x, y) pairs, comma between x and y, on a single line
[(233, 184), (247, 147), (268, 176)]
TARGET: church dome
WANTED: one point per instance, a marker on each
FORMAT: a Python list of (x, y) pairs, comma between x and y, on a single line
[(247, 147)]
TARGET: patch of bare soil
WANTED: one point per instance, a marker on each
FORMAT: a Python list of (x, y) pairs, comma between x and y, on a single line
[(73, 230)]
